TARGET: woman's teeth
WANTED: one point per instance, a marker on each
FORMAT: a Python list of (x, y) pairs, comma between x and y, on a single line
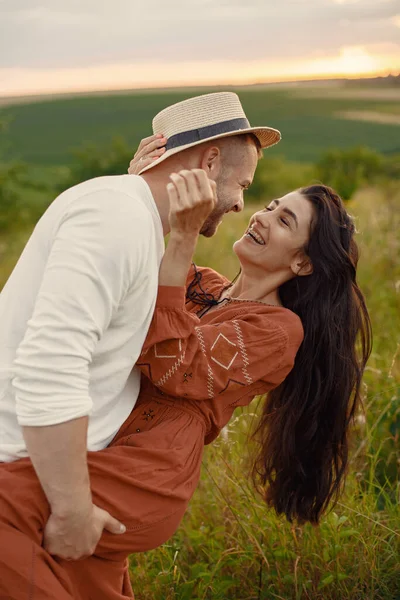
[(255, 236)]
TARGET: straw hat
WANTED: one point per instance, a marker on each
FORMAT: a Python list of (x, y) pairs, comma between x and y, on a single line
[(204, 118)]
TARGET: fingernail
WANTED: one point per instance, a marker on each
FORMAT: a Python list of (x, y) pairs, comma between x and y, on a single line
[(122, 528), (159, 135)]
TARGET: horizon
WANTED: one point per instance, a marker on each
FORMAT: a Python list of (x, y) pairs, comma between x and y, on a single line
[(340, 78)]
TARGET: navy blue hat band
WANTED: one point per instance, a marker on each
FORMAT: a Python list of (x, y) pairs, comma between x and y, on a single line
[(203, 133)]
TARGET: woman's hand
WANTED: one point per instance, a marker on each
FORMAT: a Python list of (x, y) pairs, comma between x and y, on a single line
[(149, 150), (192, 197)]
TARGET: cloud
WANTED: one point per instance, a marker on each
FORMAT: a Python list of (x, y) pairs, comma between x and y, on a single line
[(78, 34)]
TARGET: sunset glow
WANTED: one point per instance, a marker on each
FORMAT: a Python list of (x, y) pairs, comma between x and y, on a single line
[(62, 47), (349, 62)]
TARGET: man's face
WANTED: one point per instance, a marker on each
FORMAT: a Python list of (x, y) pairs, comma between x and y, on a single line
[(237, 173)]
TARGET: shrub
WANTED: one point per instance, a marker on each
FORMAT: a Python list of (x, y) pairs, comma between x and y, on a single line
[(348, 170)]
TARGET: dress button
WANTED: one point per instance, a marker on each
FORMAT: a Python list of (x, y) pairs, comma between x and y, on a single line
[(137, 430)]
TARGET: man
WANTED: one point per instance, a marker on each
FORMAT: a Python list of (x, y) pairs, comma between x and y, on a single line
[(76, 309)]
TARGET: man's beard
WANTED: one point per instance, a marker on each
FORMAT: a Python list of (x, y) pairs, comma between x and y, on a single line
[(213, 220), (211, 224)]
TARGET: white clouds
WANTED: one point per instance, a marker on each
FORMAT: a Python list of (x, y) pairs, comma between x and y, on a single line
[(87, 32), (96, 34), (346, 1), (41, 15)]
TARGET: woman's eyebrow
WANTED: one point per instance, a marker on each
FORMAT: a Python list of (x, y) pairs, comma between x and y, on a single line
[(288, 212), (291, 214)]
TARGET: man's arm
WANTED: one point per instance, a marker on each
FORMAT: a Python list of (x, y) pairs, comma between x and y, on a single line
[(76, 524), (58, 453), (88, 271)]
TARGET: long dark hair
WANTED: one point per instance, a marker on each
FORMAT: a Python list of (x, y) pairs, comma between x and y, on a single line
[(303, 431)]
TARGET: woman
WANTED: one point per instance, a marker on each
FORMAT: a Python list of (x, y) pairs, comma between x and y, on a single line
[(286, 327)]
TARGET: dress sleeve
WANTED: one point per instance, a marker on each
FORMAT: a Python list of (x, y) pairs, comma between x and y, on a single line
[(185, 358)]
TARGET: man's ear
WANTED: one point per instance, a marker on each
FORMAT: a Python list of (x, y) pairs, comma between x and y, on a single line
[(301, 264), (211, 161)]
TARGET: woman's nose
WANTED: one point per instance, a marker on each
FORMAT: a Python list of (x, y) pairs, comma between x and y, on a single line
[(262, 218)]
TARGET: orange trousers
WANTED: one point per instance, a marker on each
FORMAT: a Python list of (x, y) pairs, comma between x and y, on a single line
[(136, 479)]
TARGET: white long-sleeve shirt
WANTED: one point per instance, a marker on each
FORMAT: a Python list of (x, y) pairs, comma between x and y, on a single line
[(76, 309)]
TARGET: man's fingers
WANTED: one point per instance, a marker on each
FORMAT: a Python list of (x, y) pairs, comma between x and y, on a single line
[(113, 525)]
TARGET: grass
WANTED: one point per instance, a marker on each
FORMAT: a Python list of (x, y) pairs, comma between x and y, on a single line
[(46, 132), (229, 546)]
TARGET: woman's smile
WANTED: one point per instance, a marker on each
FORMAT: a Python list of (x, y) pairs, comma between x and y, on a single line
[(255, 234)]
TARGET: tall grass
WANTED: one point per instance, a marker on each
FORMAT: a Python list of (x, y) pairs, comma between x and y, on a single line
[(229, 545)]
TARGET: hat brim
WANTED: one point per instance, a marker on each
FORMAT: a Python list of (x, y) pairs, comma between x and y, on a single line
[(267, 137)]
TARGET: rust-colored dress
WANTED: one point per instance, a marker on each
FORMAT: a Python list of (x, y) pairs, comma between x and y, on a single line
[(196, 371)]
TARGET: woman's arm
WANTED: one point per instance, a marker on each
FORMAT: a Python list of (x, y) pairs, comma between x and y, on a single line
[(191, 197), (186, 358)]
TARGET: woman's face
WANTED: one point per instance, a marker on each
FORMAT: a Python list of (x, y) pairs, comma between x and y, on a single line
[(276, 236)]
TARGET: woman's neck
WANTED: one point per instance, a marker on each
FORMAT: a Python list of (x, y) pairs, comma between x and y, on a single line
[(250, 288)]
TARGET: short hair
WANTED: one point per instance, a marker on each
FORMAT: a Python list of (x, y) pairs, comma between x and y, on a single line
[(228, 144)]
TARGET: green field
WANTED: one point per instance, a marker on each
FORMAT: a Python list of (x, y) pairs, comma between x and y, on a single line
[(46, 132)]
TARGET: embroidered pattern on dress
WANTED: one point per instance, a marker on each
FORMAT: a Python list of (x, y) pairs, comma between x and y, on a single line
[(225, 350), (186, 377), (171, 371), (210, 377), (243, 351), (210, 383), (165, 349), (148, 415)]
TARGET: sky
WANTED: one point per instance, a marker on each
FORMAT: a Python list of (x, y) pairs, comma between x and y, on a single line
[(51, 46)]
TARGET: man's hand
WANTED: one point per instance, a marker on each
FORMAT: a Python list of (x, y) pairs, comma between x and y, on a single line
[(76, 534), (75, 524)]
